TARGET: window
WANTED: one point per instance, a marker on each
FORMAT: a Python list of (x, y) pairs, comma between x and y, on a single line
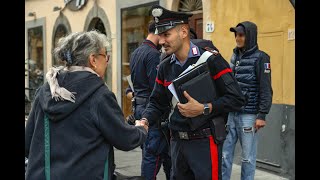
[(35, 59), (61, 31), (97, 24), (190, 5)]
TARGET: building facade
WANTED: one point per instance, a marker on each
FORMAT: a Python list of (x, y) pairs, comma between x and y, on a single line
[(125, 24)]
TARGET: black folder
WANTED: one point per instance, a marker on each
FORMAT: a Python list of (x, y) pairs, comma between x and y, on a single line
[(197, 82), (200, 86)]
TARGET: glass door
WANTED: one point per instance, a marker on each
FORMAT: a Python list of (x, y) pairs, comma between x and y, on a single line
[(133, 31)]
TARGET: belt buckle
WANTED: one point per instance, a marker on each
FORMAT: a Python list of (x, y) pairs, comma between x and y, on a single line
[(183, 135)]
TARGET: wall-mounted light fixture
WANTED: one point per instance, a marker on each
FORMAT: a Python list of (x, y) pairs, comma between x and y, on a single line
[(56, 8), (31, 14)]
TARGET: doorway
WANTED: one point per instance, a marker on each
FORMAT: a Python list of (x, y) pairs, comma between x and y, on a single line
[(196, 21)]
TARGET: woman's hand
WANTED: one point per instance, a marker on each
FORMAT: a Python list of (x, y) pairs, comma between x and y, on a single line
[(143, 123)]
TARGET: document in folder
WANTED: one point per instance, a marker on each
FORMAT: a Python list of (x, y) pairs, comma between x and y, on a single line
[(171, 87), (173, 91)]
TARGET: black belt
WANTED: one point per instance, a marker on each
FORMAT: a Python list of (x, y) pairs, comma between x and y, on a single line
[(189, 135), (141, 100)]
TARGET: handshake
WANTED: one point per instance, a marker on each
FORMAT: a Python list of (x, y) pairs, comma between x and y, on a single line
[(143, 122)]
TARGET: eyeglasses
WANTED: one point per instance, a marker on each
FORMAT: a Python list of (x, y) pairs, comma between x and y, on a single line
[(106, 56)]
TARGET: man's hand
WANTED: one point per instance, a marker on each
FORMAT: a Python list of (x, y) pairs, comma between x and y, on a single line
[(192, 108), (259, 124), (129, 95)]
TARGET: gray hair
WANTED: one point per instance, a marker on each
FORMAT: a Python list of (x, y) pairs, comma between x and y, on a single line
[(76, 48)]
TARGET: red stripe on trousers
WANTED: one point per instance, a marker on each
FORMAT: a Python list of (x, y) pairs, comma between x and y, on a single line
[(155, 170), (214, 159), (227, 70)]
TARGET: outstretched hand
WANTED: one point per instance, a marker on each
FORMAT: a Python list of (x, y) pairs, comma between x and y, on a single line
[(143, 123)]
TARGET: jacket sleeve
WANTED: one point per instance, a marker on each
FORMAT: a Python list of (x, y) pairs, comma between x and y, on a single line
[(230, 97), (265, 88), (233, 63), (151, 67), (113, 127), (159, 101)]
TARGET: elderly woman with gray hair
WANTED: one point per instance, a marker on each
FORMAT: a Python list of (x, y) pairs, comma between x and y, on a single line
[(75, 119)]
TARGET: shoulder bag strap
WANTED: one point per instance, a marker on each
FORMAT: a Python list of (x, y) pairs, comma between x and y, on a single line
[(46, 147)]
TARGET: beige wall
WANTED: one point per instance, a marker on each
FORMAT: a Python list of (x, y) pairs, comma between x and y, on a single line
[(273, 18)]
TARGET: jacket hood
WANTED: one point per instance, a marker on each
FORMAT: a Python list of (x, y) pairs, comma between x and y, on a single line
[(250, 33), (83, 83)]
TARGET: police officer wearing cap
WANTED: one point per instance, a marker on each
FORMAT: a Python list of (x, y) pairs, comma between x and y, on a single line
[(194, 154), (144, 62)]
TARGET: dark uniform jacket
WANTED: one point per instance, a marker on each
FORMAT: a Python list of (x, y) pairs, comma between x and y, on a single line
[(253, 73), (229, 94), (82, 134), (143, 65)]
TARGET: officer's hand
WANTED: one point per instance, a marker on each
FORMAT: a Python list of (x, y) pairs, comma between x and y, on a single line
[(259, 124), (129, 95), (192, 108), (145, 124)]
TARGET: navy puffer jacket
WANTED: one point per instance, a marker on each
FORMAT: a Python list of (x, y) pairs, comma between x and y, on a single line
[(252, 70)]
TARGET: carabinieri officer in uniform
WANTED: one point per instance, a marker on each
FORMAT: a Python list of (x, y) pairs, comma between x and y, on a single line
[(194, 154)]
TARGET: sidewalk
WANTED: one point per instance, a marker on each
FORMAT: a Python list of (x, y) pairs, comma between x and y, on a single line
[(260, 175), (129, 163)]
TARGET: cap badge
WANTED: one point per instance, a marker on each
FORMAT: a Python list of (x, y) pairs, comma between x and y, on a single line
[(157, 12)]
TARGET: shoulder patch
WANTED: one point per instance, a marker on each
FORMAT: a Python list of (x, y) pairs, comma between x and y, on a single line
[(211, 50), (267, 67)]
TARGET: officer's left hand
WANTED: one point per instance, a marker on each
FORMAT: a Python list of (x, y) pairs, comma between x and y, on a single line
[(192, 108), (259, 124), (129, 95)]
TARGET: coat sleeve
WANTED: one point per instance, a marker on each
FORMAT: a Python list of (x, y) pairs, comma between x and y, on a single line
[(113, 127), (265, 88), (233, 63), (29, 130), (230, 97), (159, 101)]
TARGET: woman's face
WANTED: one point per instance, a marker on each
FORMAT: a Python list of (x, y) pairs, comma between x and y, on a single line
[(101, 62)]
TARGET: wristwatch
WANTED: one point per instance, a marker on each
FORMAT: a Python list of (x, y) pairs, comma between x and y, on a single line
[(206, 109)]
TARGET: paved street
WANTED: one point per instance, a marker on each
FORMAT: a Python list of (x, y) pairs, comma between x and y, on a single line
[(128, 163)]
